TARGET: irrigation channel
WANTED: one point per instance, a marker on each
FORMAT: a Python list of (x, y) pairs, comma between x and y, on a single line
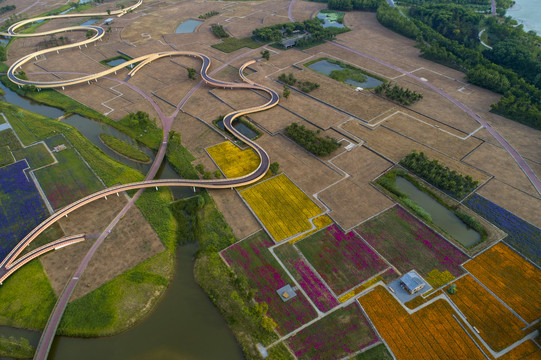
[(185, 319)]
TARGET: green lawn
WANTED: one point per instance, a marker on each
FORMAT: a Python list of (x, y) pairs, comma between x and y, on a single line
[(27, 298), (231, 44), (123, 148), (67, 181), (5, 156), (36, 156), (379, 352), (8, 138)]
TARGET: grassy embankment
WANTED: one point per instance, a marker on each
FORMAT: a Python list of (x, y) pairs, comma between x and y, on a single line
[(123, 148), (16, 348), (387, 182)]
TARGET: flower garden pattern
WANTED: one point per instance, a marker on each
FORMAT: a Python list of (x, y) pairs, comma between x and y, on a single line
[(320, 295), (342, 260), (319, 222), (430, 333), (498, 326), (511, 278), (233, 161), (343, 332), (522, 235), (281, 206), (252, 258), (409, 244), (21, 207)]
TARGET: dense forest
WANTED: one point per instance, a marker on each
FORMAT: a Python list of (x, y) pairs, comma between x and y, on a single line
[(447, 35), (309, 140), (438, 175)]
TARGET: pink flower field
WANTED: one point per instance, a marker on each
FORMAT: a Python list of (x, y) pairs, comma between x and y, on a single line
[(252, 258), (342, 260), (305, 276), (335, 336), (409, 244)]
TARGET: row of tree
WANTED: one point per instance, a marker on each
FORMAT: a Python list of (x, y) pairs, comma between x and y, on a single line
[(309, 140), (347, 5), (305, 86), (219, 31), (438, 175), (404, 96)]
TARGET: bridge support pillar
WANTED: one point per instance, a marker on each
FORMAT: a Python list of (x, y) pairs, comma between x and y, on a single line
[(85, 45), (156, 188), (63, 88), (106, 198), (117, 194), (57, 52), (194, 189)]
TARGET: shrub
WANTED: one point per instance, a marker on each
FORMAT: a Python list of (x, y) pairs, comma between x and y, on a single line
[(309, 140)]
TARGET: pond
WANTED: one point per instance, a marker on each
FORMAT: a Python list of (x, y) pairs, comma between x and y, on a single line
[(242, 128), (188, 26), (115, 62), (441, 216), (325, 67), (328, 20), (183, 326), (89, 22)]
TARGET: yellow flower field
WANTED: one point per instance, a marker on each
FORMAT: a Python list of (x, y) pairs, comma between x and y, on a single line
[(233, 161), (430, 333), (281, 206)]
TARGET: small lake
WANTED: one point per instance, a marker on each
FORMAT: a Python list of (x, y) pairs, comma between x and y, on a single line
[(116, 62), (185, 325), (89, 22), (326, 68), (327, 20), (441, 216), (188, 26), (242, 128)]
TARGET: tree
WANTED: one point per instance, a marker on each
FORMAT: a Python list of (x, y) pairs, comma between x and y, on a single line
[(274, 168), (265, 54), (108, 12), (191, 73), (200, 168), (286, 92), (217, 174)]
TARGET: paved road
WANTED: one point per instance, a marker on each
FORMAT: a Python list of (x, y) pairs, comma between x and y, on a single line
[(514, 154)]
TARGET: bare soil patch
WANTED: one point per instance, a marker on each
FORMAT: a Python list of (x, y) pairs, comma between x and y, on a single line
[(130, 242), (304, 169), (431, 136), (516, 201), (394, 147), (235, 212), (495, 160)]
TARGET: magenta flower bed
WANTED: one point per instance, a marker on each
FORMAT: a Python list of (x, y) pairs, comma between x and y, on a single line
[(335, 336), (342, 260), (409, 244), (320, 295), (252, 258)]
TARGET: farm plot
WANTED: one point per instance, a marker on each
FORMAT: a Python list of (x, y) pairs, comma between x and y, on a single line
[(430, 333), (409, 244), (342, 260), (528, 350), (36, 155), (306, 277), (498, 326), (281, 206), (233, 161), (252, 258), (521, 235), (67, 181), (337, 335), (21, 207), (511, 278)]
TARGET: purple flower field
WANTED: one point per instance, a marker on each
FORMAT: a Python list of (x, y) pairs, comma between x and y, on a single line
[(342, 260), (252, 258), (337, 335), (305, 276), (409, 244), (21, 207), (523, 236)]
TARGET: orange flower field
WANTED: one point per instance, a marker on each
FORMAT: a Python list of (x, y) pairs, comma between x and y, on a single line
[(430, 333), (511, 278), (525, 351), (497, 325)]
